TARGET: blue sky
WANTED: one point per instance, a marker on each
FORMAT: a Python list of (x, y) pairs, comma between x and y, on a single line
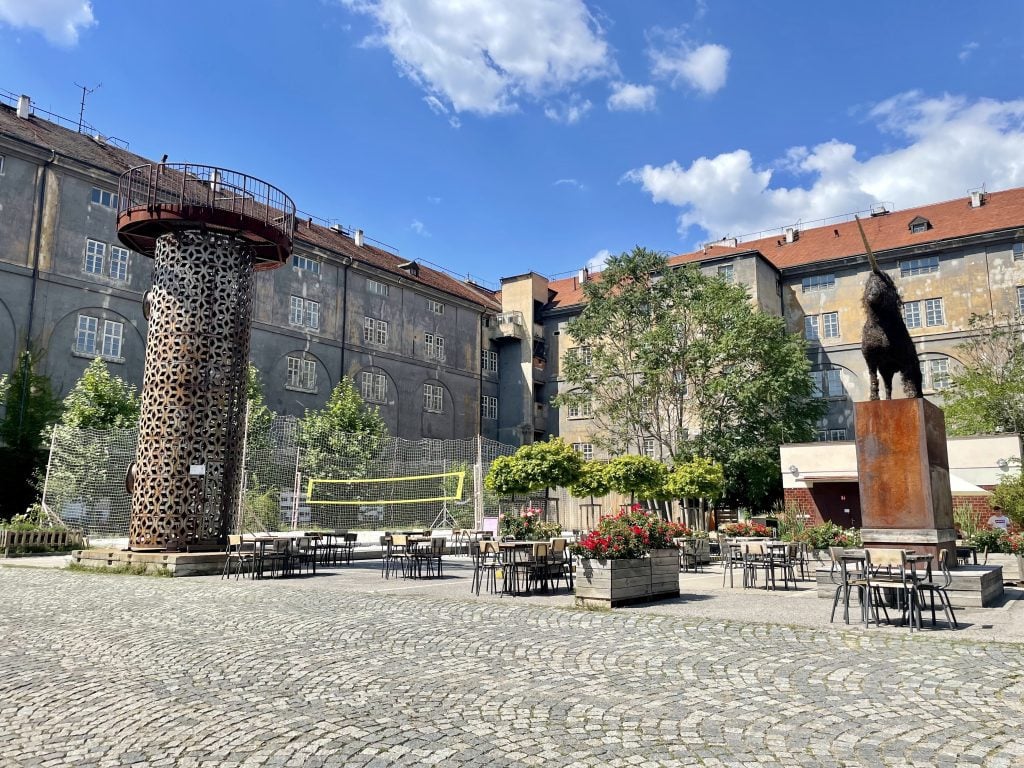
[(493, 137)]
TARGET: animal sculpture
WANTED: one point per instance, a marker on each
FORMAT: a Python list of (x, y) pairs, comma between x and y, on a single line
[(886, 343)]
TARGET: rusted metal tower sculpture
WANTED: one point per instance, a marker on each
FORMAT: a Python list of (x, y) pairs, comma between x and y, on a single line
[(207, 229)]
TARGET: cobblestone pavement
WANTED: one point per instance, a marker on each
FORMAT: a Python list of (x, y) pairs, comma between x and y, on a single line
[(104, 670)]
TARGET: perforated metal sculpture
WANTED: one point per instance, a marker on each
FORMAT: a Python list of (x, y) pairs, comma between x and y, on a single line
[(885, 342)]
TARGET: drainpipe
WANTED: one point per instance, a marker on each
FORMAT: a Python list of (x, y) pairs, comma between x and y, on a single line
[(346, 262), (36, 246)]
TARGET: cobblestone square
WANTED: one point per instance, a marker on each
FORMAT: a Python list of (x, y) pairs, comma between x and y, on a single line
[(347, 669)]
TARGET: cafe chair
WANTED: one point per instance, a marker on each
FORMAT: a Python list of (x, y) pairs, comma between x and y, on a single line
[(429, 554), (888, 570), (396, 554), (302, 554), (731, 559), (560, 562), (937, 587), (756, 558), (241, 555), (487, 564), (348, 547), (848, 574)]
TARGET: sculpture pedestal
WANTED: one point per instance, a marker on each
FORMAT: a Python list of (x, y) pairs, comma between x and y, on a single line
[(904, 476)]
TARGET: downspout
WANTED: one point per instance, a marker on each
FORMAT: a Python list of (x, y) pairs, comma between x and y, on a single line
[(345, 264), (36, 247)]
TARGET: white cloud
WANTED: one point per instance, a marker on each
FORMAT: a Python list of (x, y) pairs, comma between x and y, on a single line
[(626, 96), (947, 145), (568, 112), (419, 228), (570, 183), (966, 51), (704, 68), (485, 56), (60, 21), (596, 262), (433, 200)]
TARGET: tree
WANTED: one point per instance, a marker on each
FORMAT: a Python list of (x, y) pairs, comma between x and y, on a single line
[(30, 407), (698, 478), (684, 358), (1009, 495), (636, 475), (260, 417), (986, 394), (549, 464), (340, 440), (100, 400)]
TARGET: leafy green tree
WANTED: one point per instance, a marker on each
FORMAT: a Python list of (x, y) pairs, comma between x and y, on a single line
[(549, 464), (637, 475), (260, 417), (684, 358), (1009, 495), (698, 478), (593, 481), (100, 400), (341, 439), (30, 406), (986, 394)]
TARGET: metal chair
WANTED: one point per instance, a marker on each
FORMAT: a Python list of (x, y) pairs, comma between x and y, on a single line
[(933, 588), (240, 553)]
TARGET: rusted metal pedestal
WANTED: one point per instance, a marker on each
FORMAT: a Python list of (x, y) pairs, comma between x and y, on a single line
[(208, 229), (904, 476)]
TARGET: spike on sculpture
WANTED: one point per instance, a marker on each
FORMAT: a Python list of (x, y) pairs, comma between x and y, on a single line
[(886, 343)]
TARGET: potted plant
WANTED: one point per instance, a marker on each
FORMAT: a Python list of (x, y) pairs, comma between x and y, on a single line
[(1015, 545), (630, 558), (746, 530), (527, 526)]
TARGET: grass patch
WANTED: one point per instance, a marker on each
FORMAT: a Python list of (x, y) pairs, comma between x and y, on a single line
[(125, 569)]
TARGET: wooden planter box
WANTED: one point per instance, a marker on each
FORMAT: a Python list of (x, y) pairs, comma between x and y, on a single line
[(41, 540), (611, 583)]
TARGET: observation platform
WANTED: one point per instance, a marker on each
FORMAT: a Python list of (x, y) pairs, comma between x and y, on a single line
[(158, 198)]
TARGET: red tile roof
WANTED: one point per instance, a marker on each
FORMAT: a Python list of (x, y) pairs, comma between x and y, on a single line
[(948, 220), (51, 136)]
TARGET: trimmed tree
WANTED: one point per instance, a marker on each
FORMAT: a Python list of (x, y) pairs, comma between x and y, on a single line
[(639, 476)]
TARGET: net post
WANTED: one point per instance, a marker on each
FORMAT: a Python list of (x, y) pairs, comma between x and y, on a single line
[(240, 509), (50, 516), (478, 484), (297, 490)]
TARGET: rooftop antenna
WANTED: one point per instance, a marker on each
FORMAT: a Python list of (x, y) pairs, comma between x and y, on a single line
[(81, 110)]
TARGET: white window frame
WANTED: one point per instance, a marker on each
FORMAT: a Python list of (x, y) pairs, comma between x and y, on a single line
[(828, 383), (934, 313), (375, 331), (1020, 299), (433, 398), (435, 306), (119, 257), (374, 387), (301, 374), (103, 197), (306, 264), (95, 256), (113, 337), (921, 266), (835, 435), (817, 282), (937, 373), (584, 410), (377, 287), (727, 272), (312, 315), (489, 407), (586, 450), (811, 328), (1, 165), (830, 325), (1018, 251), (85, 335), (912, 314), (489, 361), (649, 447), (434, 345), (295, 310)]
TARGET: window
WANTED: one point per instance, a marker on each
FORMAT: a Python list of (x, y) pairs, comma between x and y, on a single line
[(95, 252), (811, 327), (435, 306), (827, 383), (489, 407), (375, 332), (1018, 248), (119, 262), (304, 312), (830, 325), (381, 289), (1020, 299), (933, 314), (585, 356), (104, 198), (581, 410), (817, 283), (726, 273), (586, 450), (489, 360), (301, 374), (433, 398), (305, 263), (837, 434), (1, 165), (919, 266), (113, 332), (434, 345), (374, 386), (85, 339), (912, 314), (936, 373), (649, 447)]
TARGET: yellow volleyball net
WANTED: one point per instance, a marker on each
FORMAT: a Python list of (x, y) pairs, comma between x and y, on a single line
[(363, 491)]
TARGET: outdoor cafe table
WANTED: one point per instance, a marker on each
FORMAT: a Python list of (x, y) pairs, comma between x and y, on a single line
[(262, 542), (510, 554)]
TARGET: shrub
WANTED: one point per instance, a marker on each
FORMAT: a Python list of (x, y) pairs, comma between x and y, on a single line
[(829, 535), (1015, 544), (527, 526), (991, 540), (628, 534), (745, 529)]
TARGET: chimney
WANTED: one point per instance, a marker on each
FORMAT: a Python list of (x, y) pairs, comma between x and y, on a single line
[(792, 233), (584, 275), (977, 198), (357, 238), (24, 106)]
